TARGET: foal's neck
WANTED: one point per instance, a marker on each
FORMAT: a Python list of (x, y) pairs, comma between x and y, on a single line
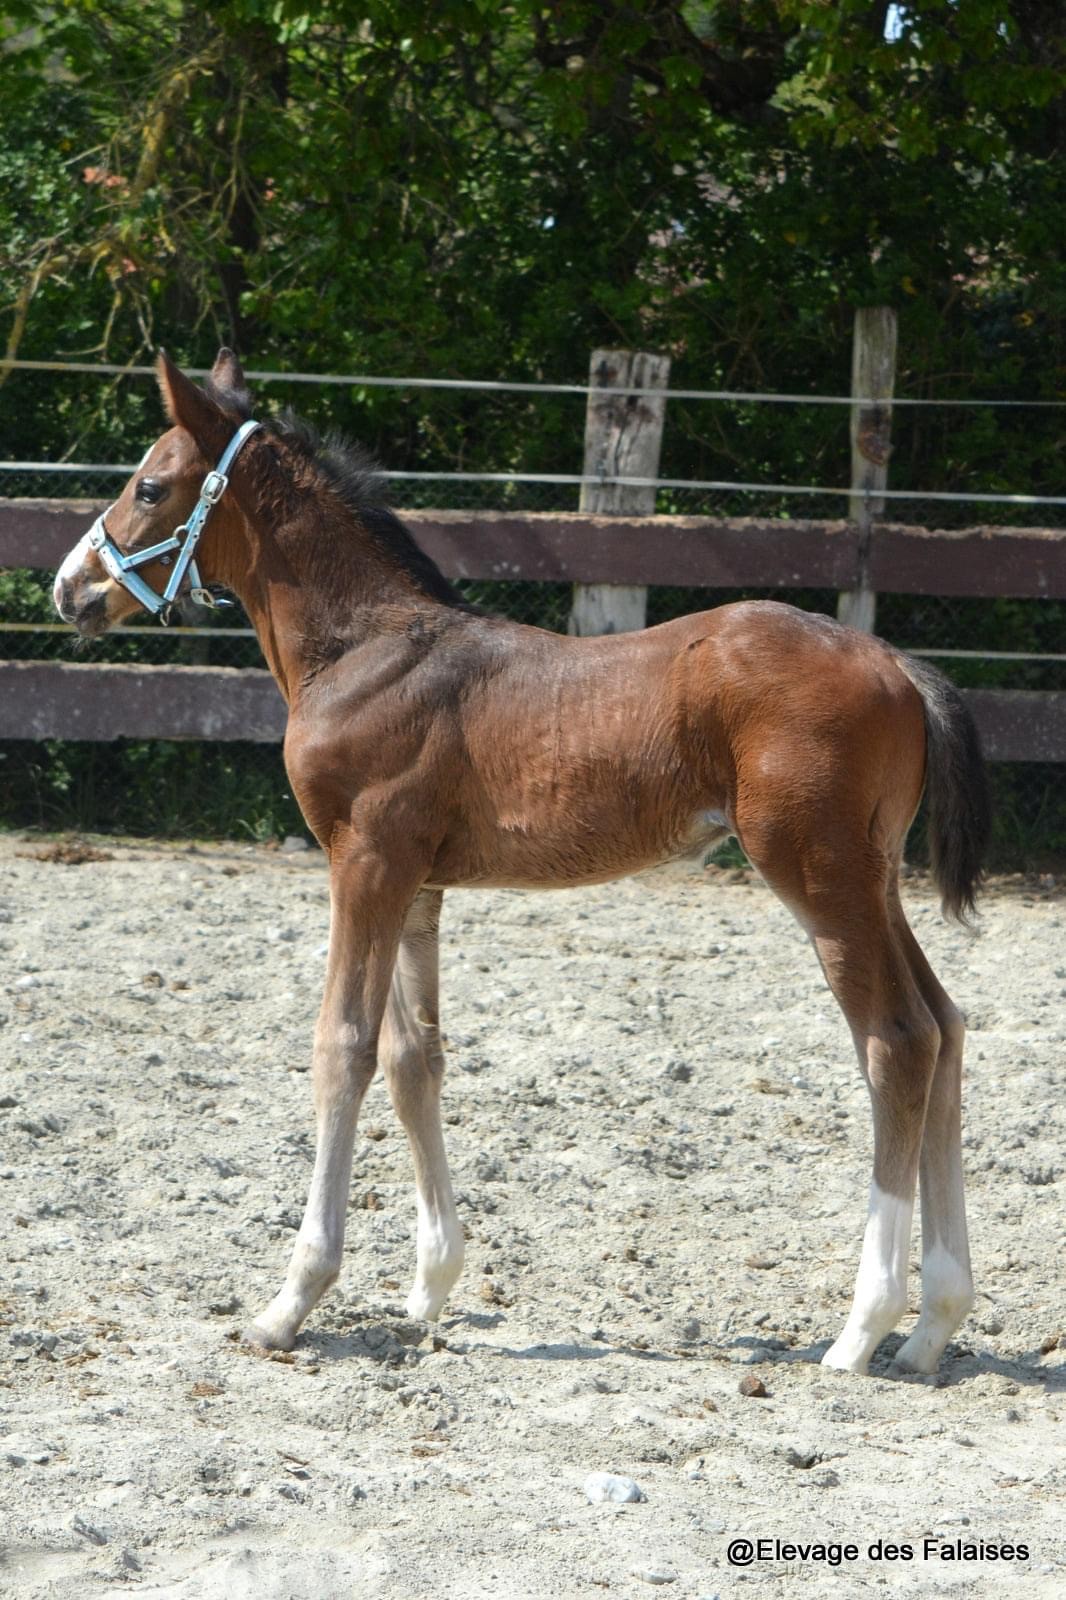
[(317, 583)]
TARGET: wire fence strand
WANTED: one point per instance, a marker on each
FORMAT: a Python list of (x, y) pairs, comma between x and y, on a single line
[(362, 380)]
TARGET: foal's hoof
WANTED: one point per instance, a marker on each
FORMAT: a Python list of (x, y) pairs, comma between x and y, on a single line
[(841, 1359), (422, 1306), (260, 1339), (917, 1359)]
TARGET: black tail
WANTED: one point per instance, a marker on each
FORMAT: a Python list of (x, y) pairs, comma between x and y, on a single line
[(956, 786)]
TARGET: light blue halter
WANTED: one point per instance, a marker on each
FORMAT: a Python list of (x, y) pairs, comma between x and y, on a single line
[(121, 565)]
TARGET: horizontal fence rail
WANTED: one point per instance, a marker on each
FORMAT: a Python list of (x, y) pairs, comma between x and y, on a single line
[(54, 700), (61, 700), (705, 552)]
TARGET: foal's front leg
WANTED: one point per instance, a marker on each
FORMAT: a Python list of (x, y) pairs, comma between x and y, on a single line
[(366, 916), (411, 1055)]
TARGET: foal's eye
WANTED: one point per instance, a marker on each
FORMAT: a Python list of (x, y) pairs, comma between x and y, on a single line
[(150, 491)]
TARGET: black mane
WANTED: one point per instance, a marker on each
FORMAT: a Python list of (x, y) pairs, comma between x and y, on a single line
[(355, 478)]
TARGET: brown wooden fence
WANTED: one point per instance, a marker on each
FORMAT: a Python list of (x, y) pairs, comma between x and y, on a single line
[(55, 700)]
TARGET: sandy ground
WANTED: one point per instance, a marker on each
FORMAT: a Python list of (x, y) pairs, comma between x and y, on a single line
[(661, 1145)]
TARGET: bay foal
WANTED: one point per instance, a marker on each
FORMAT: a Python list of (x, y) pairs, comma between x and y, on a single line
[(432, 748)]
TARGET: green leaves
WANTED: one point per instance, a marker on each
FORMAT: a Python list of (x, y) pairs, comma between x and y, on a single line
[(490, 188)]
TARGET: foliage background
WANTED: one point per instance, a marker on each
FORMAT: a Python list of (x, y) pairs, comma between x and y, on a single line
[(480, 189)]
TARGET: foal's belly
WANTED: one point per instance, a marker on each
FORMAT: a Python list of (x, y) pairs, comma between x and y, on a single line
[(548, 860)]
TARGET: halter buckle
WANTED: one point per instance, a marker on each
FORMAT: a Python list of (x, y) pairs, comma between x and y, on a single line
[(213, 487)]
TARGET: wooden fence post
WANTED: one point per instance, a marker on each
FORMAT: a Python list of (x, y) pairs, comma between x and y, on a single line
[(623, 438), (873, 376)]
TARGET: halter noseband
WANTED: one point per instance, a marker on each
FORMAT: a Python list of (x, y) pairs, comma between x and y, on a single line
[(120, 565)]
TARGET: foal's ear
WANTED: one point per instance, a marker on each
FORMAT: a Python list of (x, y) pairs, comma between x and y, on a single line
[(227, 372), (227, 387), (190, 408)]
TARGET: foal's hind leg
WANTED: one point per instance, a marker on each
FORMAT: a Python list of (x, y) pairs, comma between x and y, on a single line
[(410, 1053), (897, 1040), (842, 905), (947, 1284), (366, 918)]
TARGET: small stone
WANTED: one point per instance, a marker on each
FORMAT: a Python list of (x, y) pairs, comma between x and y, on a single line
[(992, 1324), (654, 1575), (753, 1387), (88, 1530), (292, 845), (753, 1357), (679, 1071), (601, 1486), (1052, 1342), (224, 1306)]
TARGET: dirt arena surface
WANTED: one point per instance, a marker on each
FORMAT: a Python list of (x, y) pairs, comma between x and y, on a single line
[(661, 1146)]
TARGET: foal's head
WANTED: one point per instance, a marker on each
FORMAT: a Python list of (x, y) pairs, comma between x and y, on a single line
[(158, 498)]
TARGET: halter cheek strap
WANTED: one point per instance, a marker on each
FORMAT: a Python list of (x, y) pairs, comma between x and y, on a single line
[(121, 565)]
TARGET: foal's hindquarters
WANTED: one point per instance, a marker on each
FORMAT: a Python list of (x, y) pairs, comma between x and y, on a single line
[(813, 744)]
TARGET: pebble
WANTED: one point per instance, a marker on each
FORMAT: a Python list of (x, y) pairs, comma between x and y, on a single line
[(88, 1530), (653, 1574), (292, 845), (754, 1357), (753, 1387), (224, 1305), (601, 1486)]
